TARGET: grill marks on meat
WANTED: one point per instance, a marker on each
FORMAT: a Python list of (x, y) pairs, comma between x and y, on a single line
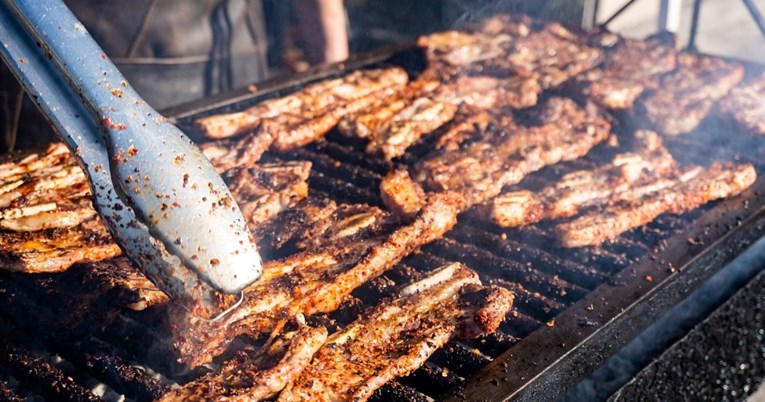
[(630, 68), (314, 281), (47, 222), (685, 96), (56, 250), (746, 105), (256, 375), (264, 191), (585, 188), (405, 128), (397, 337), (552, 55), (400, 194), (305, 104), (688, 190), (508, 151)]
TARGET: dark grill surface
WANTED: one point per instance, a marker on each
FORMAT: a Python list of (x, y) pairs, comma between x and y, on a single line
[(62, 334)]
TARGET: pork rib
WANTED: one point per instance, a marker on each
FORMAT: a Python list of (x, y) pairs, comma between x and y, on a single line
[(630, 68), (746, 107), (265, 190), (397, 337), (256, 375), (685, 96), (508, 152), (691, 189), (307, 103), (584, 188), (313, 282)]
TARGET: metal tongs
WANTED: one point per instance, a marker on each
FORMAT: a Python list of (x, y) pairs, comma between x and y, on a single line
[(161, 199)]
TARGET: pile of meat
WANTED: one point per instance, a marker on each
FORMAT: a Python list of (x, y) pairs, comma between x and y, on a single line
[(496, 103)]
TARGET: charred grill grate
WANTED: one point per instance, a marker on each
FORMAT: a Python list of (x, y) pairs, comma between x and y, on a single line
[(65, 349)]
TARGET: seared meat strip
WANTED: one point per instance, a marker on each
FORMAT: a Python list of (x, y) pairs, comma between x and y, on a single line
[(585, 188), (406, 127), (56, 154), (367, 123), (508, 152), (401, 194), (313, 282), (689, 190), (264, 191), (296, 224), (397, 337), (56, 250), (746, 105), (630, 68), (484, 92), (309, 102), (256, 375), (552, 55), (120, 273), (685, 96)]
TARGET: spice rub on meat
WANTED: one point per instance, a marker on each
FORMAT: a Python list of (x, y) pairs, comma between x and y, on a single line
[(314, 281), (303, 105), (506, 152), (746, 105), (683, 192), (631, 67), (256, 375), (584, 188), (398, 336), (685, 96)]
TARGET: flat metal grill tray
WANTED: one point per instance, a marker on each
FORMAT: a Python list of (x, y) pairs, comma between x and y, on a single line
[(573, 308)]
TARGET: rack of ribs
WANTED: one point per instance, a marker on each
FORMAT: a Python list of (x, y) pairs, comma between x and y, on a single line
[(746, 105), (585, 188), (303, 105), (688, 189), (397, 337), (506, 152), (48, 222), (685, 96), (313, 281), (256, 375), (628, 69)]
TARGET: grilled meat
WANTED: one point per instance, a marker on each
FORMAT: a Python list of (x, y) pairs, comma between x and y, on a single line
[(746, 105), (401, 194), (238, 152), (397, 337), (304, 221), (406, 127), (264, 191), (552, 55), (630, 68), (56, 250), (305, 104), (691, 189), (585, 188), (256, 375), (508, 151), (685, 96), (367, 123), (468, 125), (121, 274), (450, 49), (485, 92), (313, 282)]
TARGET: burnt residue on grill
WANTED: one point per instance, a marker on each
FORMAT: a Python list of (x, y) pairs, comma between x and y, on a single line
[(573, 307)]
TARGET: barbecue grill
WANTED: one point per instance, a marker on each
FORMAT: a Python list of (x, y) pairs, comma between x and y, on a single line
[(573, 308)]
